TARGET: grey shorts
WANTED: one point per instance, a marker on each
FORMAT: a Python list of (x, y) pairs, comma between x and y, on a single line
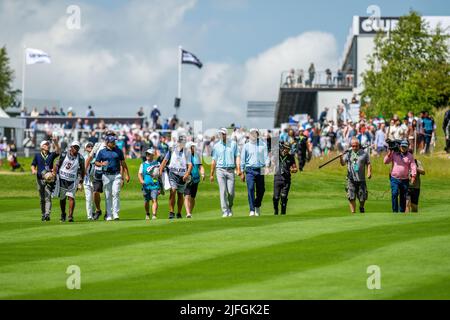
[(150, 194), (357, 189), (67, 189), (176, 182)]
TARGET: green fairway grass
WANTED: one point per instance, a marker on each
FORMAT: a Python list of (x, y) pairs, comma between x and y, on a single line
[(317, 251)]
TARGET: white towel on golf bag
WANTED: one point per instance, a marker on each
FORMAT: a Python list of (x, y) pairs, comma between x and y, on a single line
[(166, 181), (55, 193)]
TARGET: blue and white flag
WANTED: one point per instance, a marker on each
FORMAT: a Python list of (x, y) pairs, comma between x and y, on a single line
[(34, 56), (189, 58)]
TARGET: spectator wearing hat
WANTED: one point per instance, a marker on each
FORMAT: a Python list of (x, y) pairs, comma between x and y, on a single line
[(197, 174), (70, 170), (225, 161), (88, 180), (282, 179), (403, 165), (254, 159), (41, 165), (115, 170), (151, 186)]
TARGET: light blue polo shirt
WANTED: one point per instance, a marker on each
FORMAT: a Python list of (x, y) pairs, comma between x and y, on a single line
[(225, 155), (254, 155)]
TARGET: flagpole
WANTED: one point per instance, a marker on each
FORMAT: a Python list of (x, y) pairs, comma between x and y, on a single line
[(180, 57), (23, 76)]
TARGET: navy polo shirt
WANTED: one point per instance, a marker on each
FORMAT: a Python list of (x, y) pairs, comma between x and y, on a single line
[(113, 157), (44, 163)]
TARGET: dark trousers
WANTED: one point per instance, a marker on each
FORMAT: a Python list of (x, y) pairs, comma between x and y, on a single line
[(281, 188), (255, 184), (428, 135), (301, 160), (399, 189)]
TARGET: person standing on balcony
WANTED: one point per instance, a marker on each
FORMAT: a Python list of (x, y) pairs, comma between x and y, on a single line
[(301, 75), (312, 73), (349, 77), (329, 79), (155, 115)]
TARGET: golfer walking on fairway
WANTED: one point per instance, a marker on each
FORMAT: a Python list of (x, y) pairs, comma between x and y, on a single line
[(112, 161), (254, 158), (225, 160)]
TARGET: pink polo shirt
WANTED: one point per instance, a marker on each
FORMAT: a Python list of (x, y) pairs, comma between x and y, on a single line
[(402, 165)]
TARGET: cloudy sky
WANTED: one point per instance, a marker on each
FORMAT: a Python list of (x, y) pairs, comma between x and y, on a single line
[(125, 54)]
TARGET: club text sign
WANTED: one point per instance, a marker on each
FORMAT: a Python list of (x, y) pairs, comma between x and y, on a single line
[(370, 25)]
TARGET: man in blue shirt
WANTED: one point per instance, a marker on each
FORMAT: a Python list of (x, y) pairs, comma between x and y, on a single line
[(225, 158), (428, 127), (254, 159), (41, 165), (115, 170)]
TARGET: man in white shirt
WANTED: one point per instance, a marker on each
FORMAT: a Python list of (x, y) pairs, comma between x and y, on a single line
[(178, 161), (69, 168)]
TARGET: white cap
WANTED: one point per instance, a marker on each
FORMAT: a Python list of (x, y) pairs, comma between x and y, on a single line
[(155, 106), (150, 151), (75, 144), (223, 130), (43, 143), (191, 144), (254, 130), (70, 109)]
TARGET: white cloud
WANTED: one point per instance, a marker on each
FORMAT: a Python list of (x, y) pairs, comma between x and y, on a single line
[(124, 58), (225, 89)]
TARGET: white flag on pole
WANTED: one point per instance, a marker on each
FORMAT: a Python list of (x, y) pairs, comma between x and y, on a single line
[(34, 56)]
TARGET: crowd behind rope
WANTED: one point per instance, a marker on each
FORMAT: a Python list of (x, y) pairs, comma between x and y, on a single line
[(311, 138), (325, 135)]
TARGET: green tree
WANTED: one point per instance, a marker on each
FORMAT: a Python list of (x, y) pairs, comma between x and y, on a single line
[(408, 70), (7, 95)]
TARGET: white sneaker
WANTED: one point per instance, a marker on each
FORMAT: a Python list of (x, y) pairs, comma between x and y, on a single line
[(154, 217), (252, 213), (230, 213), (225, 215), (257, 212), (109, 219)]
